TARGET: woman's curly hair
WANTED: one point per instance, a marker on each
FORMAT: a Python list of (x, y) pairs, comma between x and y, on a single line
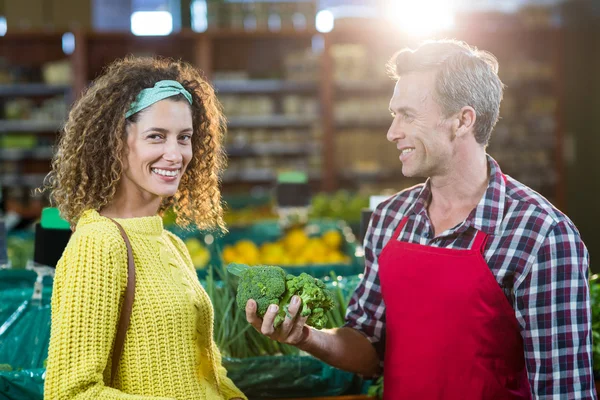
[(88, 163)]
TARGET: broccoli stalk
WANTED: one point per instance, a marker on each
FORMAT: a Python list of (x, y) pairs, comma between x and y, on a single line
[(269, 285)]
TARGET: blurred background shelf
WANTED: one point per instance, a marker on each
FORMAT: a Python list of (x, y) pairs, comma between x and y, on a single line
[(33, 89), (41, 153), (18, 180), (271, 121), (263, 86), (274, 149), (29, 126), (323, 94)]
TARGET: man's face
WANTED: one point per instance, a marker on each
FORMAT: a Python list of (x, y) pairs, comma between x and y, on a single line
[(421, 133)]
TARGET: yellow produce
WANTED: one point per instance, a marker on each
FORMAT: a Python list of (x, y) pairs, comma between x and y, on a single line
[(230, 255), (333, 239), (247, 252), (199, 253), (316, 251), (272, 254), (336, 258), (294, 249), (295, 241)]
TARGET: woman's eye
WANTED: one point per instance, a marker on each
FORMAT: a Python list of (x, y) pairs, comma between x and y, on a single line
[(185, 138), (154, 136)]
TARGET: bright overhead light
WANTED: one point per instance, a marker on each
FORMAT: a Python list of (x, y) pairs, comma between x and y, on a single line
[(151, 23), (199, 10), (68, 43), (3, 26), (324, 21), (422, 17)]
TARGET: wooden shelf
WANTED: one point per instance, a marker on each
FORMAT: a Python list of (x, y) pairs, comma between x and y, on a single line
[(380, 123), (257, 175), (263, 86), (283, 34), (40, 153), (270, 121), (260, 53), (276, 149), (27, 126), (33, 89), (362, 87), (22, 180)]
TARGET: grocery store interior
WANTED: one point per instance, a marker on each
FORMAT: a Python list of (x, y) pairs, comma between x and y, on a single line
[(305, 91)]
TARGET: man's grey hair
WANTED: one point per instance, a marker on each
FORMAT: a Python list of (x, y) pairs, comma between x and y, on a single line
[(466, 76)]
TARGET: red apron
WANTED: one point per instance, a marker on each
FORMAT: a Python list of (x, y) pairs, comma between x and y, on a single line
[(450, 330)]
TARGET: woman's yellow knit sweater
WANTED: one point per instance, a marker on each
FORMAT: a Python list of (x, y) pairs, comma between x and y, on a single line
[(169, 351)]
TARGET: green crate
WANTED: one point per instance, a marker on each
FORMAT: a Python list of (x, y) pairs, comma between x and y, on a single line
[(270, 231)]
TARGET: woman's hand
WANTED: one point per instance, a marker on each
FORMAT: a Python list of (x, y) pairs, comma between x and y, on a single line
[(292, 331)]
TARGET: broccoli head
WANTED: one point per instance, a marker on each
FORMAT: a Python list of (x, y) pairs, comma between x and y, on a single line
[(316, 299), (269, 285), (265, 285)]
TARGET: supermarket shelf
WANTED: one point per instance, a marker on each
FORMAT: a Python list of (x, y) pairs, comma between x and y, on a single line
[(270, 121), (275, 149), (40, 153), (18, 180), (379, 123), (257, 175), (362, 87), (259, 34), (25, 126), (32, 89), (373, 176), (263, 86)]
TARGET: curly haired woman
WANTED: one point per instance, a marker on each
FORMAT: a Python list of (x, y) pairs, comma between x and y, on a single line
[(146, 136)]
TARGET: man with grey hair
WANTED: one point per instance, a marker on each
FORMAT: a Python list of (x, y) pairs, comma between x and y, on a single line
[(475, 286)]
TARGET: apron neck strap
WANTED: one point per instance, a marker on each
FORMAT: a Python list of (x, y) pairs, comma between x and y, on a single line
[(479, 242), (399, 228)]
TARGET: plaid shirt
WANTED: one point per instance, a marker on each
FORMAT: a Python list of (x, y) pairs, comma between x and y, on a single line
[(537, 257)]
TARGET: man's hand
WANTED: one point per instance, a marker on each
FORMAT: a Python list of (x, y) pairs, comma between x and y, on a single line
[(292, 331)]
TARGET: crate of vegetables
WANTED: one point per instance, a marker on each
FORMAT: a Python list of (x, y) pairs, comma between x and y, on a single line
[(317, 248)]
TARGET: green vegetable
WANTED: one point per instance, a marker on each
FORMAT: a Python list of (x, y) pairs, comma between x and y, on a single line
[(270, 285), (595, 305), (5, 367), (233, 335), (376, 389)]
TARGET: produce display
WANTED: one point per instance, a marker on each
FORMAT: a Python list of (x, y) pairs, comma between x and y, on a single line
[(235, 336), (295, 248), (19, 250), (595, 301), (199, 253), (271, 285), (248, 215), (342, 205)]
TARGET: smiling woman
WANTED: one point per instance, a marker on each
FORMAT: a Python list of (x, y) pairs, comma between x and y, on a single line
[(144, 137)]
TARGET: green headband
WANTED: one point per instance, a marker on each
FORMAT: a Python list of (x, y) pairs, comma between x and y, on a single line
[(160, 91)]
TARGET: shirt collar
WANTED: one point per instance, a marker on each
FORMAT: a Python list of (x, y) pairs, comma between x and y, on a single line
[(488, 214)]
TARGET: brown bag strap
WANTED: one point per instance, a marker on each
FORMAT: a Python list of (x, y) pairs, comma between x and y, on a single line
[(126, 309)]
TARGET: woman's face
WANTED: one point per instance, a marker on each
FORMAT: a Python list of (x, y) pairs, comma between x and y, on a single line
[(159, 148)]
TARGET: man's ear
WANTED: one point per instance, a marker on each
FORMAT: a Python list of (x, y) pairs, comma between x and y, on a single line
[(464, 122)]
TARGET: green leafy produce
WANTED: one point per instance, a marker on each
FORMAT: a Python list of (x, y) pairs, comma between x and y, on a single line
[(234, 336), (376, 389), (266, 285), (270, 285), (595, 305)]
